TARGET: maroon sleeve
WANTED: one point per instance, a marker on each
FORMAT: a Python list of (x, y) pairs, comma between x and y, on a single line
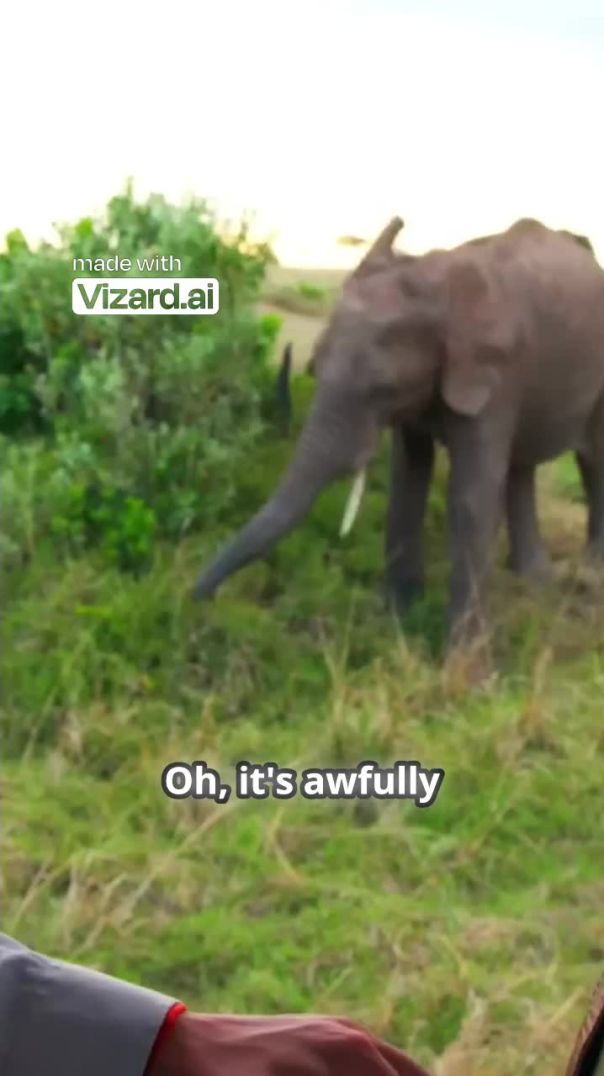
[(164, 1032)]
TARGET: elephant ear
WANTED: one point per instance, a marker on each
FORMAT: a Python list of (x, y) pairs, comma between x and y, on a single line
[(380, 254), (481, 333)]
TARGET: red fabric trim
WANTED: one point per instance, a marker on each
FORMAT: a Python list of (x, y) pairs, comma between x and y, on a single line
[(165, 1030)]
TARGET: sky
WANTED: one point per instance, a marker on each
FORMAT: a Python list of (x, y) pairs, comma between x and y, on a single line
[(321, 119)]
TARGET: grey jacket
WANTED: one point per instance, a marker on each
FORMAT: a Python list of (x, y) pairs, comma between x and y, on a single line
[(60, 1020)]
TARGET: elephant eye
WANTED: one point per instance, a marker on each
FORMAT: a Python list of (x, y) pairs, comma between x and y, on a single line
[(390, 334), (382, 389)]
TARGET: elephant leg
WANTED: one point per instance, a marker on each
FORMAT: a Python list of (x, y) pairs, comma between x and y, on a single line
[(590, 460), (592, 477), (477, 483), (528, 555), (412, 463)]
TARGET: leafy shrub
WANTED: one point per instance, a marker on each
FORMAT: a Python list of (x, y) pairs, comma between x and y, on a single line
[(117, 430), (310, 291)]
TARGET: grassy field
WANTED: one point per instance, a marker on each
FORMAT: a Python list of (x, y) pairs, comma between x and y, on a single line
[(470, 934)]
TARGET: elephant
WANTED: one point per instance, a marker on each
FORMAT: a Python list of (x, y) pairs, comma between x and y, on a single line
[(494, 349)]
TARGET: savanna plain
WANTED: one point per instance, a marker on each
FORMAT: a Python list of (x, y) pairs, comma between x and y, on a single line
[(470, 933)]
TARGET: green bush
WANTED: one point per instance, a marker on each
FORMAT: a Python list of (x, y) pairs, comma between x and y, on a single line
[(310, 291), (116, 430)]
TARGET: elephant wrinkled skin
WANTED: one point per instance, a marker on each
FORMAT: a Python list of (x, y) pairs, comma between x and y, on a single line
[(495, 349)]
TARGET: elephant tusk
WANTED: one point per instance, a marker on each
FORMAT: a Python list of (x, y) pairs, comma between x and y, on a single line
[(353, 503)]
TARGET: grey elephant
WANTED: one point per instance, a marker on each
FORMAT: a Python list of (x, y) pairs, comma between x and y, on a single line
[(495, 349)]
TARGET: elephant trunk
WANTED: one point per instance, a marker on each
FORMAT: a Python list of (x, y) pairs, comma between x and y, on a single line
[(331, 445)]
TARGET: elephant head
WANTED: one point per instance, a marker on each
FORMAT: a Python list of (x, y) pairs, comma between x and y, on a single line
[(377, 362)]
